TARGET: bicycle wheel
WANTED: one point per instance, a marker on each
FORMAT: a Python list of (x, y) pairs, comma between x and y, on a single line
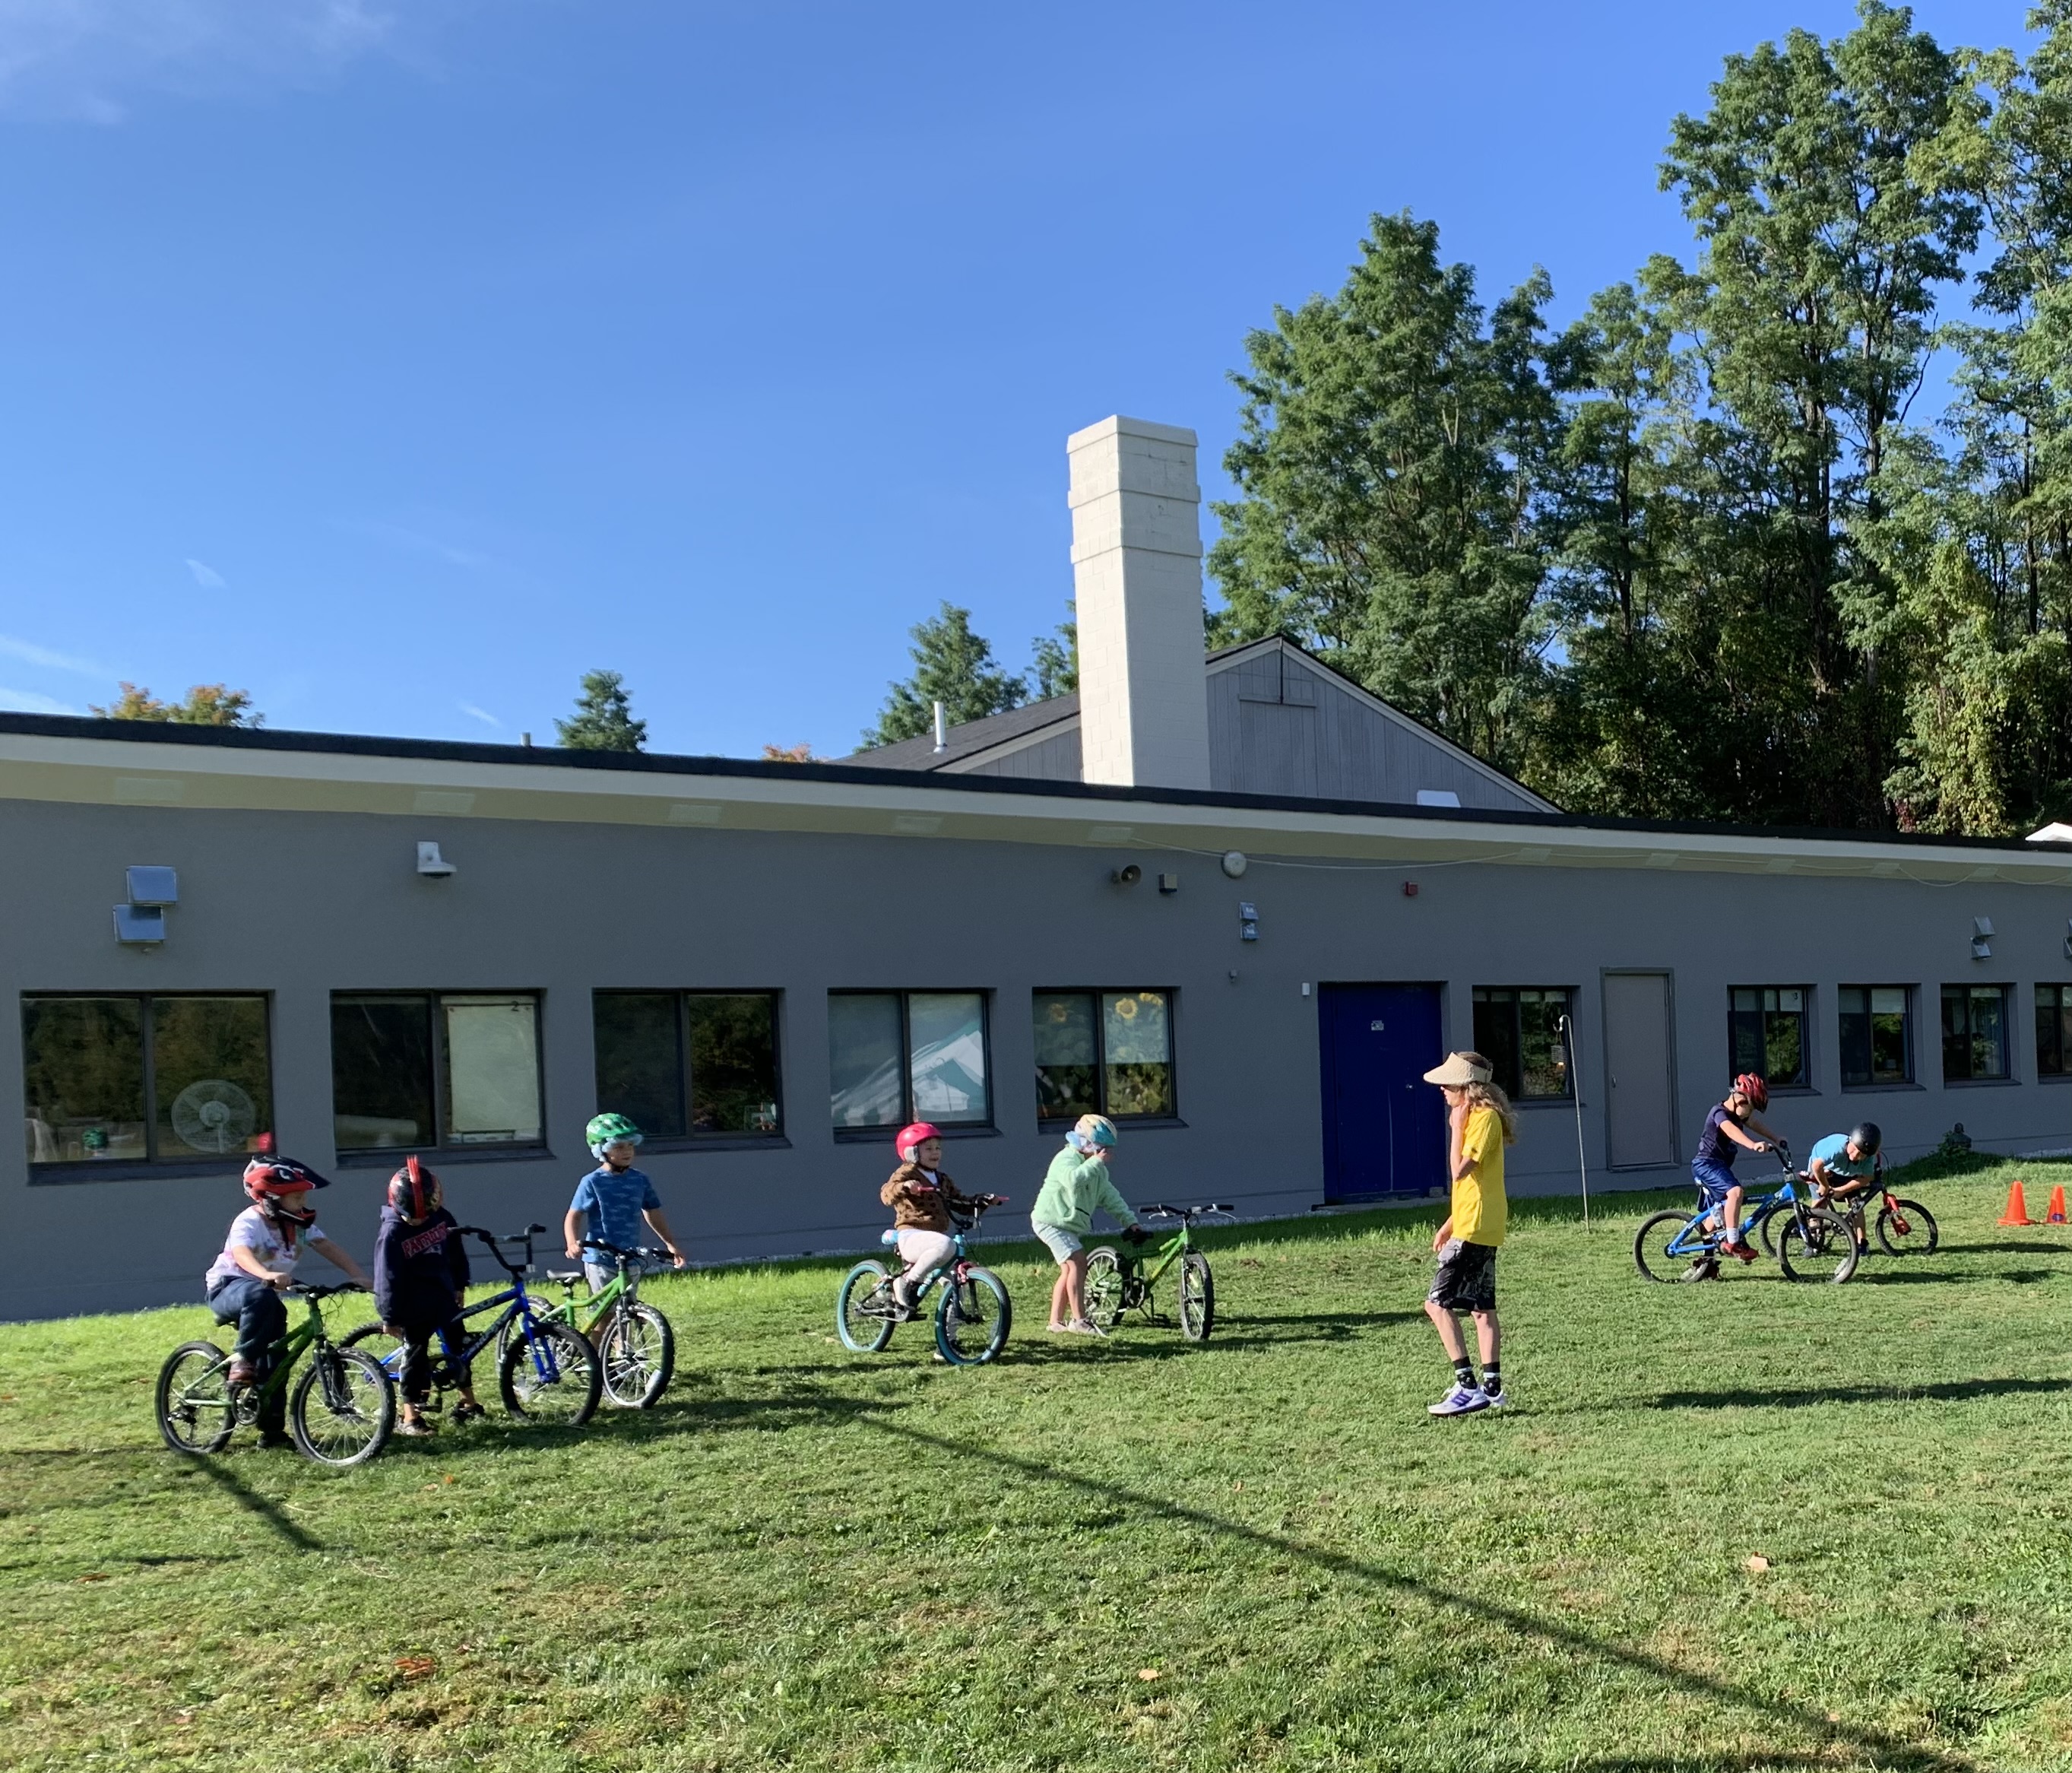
[(1817, 1245), (385, 1348), (639, 1352), (552, 1377), (195, 1414), (1767, 1227), (1907, 1228), (343, 1407), (861, 1308), (1104, 1286), (972, 1321), (1198, 1297), (1660, 1249)]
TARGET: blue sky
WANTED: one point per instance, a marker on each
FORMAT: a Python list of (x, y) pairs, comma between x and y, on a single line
[(400, 361)]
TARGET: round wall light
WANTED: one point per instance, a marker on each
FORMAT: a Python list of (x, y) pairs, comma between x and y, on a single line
[(1234, 863)]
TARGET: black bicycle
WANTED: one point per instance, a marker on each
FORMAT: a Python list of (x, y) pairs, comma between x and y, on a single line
[(547, 1370), (340, 1412)]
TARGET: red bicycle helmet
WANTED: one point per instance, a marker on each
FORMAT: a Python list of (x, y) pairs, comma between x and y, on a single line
[(413, 1190), (1754, 1088), (272, 1182), (909, 1136)]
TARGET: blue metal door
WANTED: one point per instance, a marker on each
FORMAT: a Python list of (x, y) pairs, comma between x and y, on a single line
[(1384, 1126)]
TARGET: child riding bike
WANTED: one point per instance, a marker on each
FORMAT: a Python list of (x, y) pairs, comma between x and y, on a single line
[(1843, 1168), (1713, 1168), (258, 1260), (922, 1199)]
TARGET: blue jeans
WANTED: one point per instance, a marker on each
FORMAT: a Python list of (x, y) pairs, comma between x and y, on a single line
[(261, 1319)]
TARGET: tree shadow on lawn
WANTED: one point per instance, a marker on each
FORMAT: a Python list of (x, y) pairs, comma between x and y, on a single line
[(1806, 1397), (1134, 1339), (1886, 1751), (1925, 1277)]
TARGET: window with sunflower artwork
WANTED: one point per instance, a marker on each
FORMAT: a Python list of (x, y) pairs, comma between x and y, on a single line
[(1105, 1052)]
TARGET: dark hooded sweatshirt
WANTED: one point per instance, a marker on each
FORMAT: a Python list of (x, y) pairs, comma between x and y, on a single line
[(418, 1268)]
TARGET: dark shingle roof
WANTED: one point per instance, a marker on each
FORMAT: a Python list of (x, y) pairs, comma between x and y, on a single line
[(966, 741)]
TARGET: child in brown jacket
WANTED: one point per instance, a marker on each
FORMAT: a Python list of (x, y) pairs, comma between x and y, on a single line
[(922, 1199)]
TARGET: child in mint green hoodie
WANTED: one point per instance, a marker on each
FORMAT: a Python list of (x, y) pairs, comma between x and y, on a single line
[(1075, 1187)]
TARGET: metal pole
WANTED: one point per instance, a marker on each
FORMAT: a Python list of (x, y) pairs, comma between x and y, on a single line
[(1575, 1089)]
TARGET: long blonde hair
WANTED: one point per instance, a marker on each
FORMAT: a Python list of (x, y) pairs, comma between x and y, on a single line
[(1491, 1096)]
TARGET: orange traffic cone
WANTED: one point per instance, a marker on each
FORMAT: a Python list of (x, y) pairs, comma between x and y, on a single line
[(2055, 1214), (2018, 1208)]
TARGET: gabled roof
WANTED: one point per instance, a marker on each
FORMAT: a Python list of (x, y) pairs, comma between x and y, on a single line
[(968, 740)]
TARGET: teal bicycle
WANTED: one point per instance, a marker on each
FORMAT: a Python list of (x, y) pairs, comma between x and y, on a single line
[(1119, 1281), (972, 1319), (340, 1412)]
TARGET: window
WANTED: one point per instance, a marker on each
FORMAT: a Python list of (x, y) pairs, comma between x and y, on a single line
[(1104, 1052), (421, 1070), (1974, 1033), (145, 1079), (1877, 1035), (1766, 1027), (2054, 1031), (1517, 1030), (896, 1056), (689, 1065)]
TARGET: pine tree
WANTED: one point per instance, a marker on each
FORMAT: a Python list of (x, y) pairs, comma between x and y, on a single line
[(952, 666), (604, 717)]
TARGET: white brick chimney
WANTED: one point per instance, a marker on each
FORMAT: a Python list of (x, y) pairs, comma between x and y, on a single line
[(1136, 571)]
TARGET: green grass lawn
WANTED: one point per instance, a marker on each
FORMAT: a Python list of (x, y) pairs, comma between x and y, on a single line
[(1257, 1554)]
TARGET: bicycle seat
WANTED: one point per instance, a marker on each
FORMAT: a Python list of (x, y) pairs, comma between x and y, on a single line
[(565, 1274)]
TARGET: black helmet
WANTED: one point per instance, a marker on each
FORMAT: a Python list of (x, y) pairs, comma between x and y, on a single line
[(1867, 1138)]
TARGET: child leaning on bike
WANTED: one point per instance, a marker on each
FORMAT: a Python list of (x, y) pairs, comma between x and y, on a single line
[(420, 1286), (922, 1197), (258, 1261), (1843, 1168), (1075, 1187), (1727, 1131)]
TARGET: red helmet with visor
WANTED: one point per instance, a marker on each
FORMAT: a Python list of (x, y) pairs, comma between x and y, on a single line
[(279, 1184)]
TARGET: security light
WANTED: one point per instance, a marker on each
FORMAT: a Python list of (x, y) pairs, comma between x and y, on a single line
[(431, 864), (1127, 875), (151, 885), (140, 926)]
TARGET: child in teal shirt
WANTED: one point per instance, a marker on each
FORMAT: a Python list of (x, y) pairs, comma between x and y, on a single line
[(1075, 1187)]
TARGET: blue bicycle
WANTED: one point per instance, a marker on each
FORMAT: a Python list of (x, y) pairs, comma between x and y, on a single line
[(1810, 1243), (546, 1369)]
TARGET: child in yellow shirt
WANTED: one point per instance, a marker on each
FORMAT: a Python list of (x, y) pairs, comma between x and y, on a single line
[(1479, 1125)]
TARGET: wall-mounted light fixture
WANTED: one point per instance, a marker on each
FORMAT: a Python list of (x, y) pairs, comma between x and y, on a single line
[(1128, 875), (142, 922), (1234, 863), (1981, 938), (431, 864)]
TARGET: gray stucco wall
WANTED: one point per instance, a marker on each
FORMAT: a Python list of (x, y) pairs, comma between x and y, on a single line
[(299, 905)]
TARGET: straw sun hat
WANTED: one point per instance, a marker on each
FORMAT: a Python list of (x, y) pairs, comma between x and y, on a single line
[(1458, 1073)]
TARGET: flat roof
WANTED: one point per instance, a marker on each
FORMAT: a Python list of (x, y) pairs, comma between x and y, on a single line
[(139, 763)]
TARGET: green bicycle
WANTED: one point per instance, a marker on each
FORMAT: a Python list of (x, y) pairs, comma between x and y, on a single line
[(340, 1412), (1119, 1281), (634, 1341)]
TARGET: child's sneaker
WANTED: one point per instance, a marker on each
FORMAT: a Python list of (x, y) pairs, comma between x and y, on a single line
[(1461, 1401), (1743, 1248), (1494, 1399)]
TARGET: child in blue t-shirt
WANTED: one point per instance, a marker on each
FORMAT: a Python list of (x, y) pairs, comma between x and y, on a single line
[(611, 1203)]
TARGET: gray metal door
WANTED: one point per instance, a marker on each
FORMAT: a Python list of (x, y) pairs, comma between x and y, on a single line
[(1639, 1071)]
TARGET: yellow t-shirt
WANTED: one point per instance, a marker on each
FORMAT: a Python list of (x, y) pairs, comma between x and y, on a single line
[(1479, 1210)]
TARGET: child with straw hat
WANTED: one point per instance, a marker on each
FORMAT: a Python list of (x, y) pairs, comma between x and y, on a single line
[(1479, 1125)]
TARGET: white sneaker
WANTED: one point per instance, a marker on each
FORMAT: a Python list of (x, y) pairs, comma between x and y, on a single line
[(1085, 1326), (1461, 1401), (1494, 1399)]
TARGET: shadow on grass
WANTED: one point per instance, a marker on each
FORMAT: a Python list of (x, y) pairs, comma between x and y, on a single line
[(1804, 1397), (2011, 1247), (1874, 1276), (632, 1427), (1887, 1751), (250, 1500)]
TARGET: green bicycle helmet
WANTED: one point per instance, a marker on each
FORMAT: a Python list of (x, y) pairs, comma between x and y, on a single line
[(606, 1129)]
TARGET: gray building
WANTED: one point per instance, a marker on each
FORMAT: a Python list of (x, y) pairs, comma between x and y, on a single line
[(361, 947)]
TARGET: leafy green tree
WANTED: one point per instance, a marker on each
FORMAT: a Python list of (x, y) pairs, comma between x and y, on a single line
[(951, 665), (1054, 667), (205, 704), (1393, 450), (604, 719)]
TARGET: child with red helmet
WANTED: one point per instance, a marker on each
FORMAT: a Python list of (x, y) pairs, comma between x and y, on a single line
[(258, 1259), (922, 1197), (1712, 1166), (420, 1285)]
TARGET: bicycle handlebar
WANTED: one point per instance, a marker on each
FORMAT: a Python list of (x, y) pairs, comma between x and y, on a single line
[(1162, 1210), (302, 1289), (496, 1241), (640, 1253)]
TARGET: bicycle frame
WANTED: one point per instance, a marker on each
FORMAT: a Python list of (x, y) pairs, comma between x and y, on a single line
[(517, 1303), (299, 1340), (1694, 1241), (600, 1305)]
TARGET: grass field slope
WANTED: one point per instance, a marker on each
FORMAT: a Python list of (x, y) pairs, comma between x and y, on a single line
[(1722, 1529)]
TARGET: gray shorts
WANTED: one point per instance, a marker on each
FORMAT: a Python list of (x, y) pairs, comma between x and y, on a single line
[(1059, 1242), (1467, 1280)]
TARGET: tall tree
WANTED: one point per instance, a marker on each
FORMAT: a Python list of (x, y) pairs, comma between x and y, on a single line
[(1053, 669), (951, 665), (205, 704), (603, 720), (1392, 449)]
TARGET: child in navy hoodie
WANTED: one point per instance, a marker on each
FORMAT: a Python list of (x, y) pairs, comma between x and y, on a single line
[(420, 1285)]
